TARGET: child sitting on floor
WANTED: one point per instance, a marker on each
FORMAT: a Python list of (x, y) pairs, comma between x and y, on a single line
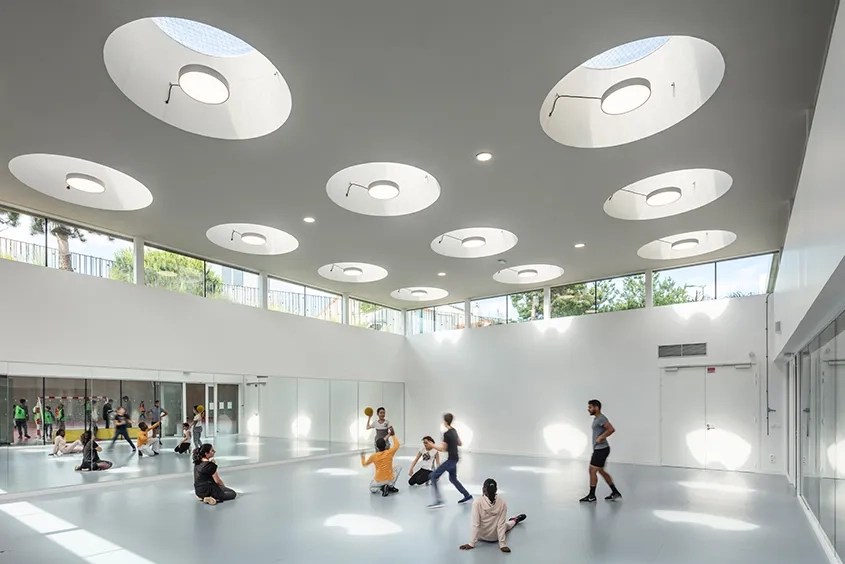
[(185, 443), (147, 445), (61, 446), (386, 474)]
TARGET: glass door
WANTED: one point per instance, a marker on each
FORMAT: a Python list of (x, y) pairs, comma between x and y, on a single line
[(169, 395), (211, 410), (228, 408)]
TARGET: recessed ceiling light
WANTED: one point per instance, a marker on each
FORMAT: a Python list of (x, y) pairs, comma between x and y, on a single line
[(308, 219), (204, 84), (527, 273), (441, 274), (383, 190), (85, 183), (484, 156), (473, 242), (663, 196), (580, 245), (684, 244), (418, 293), (626, 96), (353, 271), (253, 238)]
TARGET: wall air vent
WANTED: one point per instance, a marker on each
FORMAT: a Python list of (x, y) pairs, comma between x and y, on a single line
[(689, 349)]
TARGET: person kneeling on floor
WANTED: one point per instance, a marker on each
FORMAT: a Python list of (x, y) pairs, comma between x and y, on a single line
[(185, 443), (489, 522), (90, 454), (386, 474), (208, 486), (148, 446)]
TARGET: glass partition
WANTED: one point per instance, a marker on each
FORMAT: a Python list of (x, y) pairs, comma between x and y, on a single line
[(375, 317), (323, 305), (574, 299), (175, 272), (489, 311), (741, 277), (525, 306), (285, 296), (20, 239), (232, 285), (686, 284)]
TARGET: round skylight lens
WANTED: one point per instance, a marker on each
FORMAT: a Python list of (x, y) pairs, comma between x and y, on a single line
[(626, 96), (253, 238), (663, 197), (204, 84), (473, 242), (418, 293), (85, 183), (383, 190), (527, 273), (684, 244), (308, 219), (484, 157), (353, 271)]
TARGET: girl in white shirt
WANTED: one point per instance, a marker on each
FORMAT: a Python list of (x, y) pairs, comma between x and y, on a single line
[(430, 460), (488, 518), (61, 446)]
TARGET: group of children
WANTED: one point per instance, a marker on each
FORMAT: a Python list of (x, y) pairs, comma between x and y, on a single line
[(489, 513)]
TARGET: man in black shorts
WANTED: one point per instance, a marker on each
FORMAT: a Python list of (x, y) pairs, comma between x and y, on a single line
[(602, 429)]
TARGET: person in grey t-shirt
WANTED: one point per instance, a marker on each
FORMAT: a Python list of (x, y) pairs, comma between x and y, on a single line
[(602, 429), (156, 413)]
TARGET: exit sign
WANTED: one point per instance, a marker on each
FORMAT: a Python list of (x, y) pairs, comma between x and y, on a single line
[(711, 369)]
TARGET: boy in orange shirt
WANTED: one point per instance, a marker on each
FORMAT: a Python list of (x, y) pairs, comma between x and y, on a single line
[(146, 445), (386, 474)]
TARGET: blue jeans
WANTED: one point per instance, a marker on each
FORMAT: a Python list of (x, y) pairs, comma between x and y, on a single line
[(450, 466)]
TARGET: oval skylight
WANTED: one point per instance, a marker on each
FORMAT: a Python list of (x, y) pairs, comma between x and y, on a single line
[(626, 54), (202, 38), (685, 245)]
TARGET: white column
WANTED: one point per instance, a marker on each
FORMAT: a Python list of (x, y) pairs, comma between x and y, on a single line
[(547, 302), (404, 322), (262, 290), (139, 261), (649, 289), (468, 314), (345, 309)]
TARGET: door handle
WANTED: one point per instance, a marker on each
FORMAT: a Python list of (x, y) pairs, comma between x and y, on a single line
[(710, 427)]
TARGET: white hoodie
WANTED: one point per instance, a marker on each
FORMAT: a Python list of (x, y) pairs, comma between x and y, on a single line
[(489, 521)]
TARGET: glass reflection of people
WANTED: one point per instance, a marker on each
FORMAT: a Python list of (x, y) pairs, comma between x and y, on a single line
[(121, 428), (60, 416), (21, 415), (107, 412), (197, 425), (61, 446), (48, 423)]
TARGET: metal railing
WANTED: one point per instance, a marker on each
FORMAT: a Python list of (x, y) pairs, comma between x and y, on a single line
[(33, 253)]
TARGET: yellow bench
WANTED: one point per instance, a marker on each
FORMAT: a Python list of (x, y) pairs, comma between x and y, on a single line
[(102, 434)]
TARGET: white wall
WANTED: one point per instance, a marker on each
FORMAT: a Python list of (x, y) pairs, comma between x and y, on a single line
[(508, 383), (809, 294), (69, 324)]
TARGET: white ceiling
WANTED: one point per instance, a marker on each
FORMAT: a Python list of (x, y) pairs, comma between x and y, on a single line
[(429, 84)]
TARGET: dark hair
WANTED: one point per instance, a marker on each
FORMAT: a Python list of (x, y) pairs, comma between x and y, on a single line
[(427, 438), (156, 401), (381, 409), (199, 453), (186, 425), (489, 488), (61, 432), (448, 418), (142, 426), (594, 403), (23, 400), (85, 437), (381, 444)]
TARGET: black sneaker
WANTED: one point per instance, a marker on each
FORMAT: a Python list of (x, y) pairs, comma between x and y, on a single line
[(394, 490), (385, 491), (614, 496), (520, 518), (588, 499)]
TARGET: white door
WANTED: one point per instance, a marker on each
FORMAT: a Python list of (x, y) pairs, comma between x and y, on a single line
[(682, 418), (731, 428)]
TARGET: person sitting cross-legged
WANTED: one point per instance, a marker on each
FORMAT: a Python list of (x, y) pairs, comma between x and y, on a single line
[(386, 474)]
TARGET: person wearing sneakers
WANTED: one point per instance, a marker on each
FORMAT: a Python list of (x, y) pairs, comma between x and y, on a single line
[(450, 445), (602, 429), (386, 474), (489, 523), (148, 446), (430, 460), (208, 486)]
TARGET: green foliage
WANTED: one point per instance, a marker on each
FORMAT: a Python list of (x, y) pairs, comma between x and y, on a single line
[(170, 271)]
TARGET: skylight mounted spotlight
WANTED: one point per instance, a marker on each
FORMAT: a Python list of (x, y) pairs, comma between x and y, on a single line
[(201, 83), (85, 183), (378, 190), (254, 239), (621, 98), (472, 242)]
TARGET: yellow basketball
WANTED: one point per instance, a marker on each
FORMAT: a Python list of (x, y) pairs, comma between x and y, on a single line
[(200, 409), (368, 411)]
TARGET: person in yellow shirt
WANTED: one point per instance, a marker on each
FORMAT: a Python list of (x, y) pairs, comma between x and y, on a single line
[(148, 446), (386, 474)]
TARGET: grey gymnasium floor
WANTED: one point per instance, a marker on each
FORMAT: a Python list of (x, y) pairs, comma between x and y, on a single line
[(320, 511)]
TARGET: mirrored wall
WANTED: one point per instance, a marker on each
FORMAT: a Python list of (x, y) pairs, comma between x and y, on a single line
[(821, 429)]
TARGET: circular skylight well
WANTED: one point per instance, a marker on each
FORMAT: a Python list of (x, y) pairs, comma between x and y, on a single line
[(528, 274), (685, 245), (474, 242), (632, 91), (355, 272), (80, 182), (252, 239), (419, 294), (668, 194), (383, 189), (197, 78)]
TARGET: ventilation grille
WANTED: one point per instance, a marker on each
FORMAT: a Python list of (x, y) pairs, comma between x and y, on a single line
[(689, 349)]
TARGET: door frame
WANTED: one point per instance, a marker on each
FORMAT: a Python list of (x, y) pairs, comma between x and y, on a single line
[(754, 366)]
